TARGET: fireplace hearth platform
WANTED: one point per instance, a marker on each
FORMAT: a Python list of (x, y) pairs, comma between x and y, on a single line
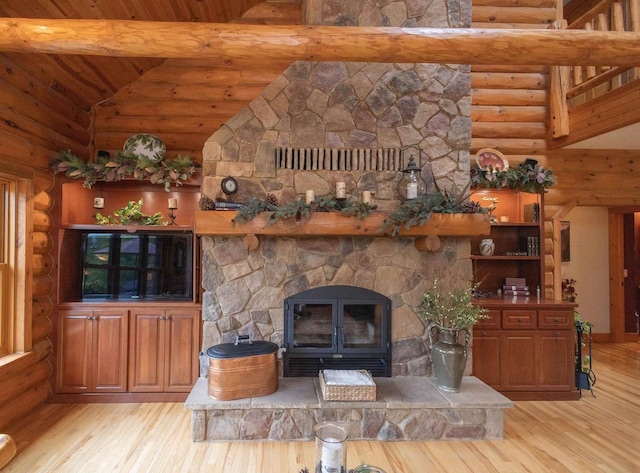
[(406, 408)]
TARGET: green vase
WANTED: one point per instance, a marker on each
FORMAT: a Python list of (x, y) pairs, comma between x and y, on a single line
[(449, 357)]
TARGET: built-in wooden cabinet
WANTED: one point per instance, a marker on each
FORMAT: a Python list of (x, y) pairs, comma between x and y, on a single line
[(92, 350), (162, 347), (147, 348), (525, 348)]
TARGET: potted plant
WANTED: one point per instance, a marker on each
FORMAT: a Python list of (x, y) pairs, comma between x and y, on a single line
[(449, 311)]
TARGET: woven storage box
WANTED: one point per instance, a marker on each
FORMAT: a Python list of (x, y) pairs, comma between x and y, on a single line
[(347, 385)]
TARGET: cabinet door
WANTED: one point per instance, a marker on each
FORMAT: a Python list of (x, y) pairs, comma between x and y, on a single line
[(74, 351), (518, 358), (182, 346), (486, 357), (555, 354), (110, 346), (146, 348)]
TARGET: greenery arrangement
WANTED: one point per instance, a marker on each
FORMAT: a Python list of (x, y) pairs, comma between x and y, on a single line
[(130, 214), (299, 209), (525, 177), (450, 309), (408, 214), (125, 164), (418, 211)]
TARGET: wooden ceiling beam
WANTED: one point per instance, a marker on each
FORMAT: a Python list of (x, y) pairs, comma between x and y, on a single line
[(319, 43)]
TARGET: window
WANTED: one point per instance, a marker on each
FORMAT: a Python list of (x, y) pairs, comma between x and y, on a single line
[(13, 310)]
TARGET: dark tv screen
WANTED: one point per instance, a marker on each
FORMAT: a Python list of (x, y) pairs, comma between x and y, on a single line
[(137, 266)]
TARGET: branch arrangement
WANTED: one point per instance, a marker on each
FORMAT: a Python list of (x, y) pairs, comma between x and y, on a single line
[(125, 164), (408, 214), (525, 177)]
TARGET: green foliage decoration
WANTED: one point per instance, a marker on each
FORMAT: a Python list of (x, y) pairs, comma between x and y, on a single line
[(299, 209), (450, 308), (130, 214), (122, 165), (525, 177), (418, 211)]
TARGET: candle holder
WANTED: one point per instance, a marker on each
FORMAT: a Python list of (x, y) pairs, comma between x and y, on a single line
[(172, 204), (331, 447)]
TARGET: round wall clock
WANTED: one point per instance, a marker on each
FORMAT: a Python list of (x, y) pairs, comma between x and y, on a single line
[(229, 185)]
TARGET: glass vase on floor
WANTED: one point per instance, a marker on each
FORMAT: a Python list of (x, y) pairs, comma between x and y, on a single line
[(331, 447)]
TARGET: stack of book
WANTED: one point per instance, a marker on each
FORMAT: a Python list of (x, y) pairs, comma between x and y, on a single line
[(515, 287)]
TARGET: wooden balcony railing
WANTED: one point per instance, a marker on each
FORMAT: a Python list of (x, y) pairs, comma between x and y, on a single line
[(582, 86)]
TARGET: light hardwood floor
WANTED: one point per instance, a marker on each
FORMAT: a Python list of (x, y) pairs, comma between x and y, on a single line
[(600, 434)]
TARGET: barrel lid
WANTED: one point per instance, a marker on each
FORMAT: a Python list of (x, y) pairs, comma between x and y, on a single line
[(241, 348)]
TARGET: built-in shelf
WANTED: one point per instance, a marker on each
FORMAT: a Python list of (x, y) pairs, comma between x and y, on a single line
[(220, 223), (129, 228)]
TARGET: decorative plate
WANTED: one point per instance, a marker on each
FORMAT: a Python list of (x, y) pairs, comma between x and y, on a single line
[(491, 159), (146, 145)]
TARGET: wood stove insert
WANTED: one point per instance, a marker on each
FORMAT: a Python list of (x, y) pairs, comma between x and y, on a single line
[(337, 327)]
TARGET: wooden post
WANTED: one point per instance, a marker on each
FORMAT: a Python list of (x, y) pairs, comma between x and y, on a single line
[(559, 77)]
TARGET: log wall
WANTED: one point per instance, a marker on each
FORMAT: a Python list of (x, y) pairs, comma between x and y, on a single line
[(36, 122)]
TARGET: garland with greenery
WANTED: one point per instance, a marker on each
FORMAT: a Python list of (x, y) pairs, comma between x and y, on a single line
[(418, 211), (525, 177), (410, 213), (125, 164), (299, 209)]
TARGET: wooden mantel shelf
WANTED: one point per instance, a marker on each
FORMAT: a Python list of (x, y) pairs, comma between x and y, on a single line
[(219, 223)]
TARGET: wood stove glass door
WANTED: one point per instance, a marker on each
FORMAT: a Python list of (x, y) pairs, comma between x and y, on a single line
[(314, 326), (362, 327)]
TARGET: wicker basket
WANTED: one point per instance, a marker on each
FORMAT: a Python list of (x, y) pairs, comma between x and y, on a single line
[(348, 392)]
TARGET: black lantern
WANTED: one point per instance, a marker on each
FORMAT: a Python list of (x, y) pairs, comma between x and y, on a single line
[(411, 185)]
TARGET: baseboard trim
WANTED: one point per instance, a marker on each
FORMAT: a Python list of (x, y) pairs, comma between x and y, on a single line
[(116, 397)]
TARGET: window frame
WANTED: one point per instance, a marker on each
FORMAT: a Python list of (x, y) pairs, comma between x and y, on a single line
[(15, 238)]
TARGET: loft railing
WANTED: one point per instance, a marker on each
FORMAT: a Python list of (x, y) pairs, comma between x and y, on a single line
[(589, 82), (576, 86)]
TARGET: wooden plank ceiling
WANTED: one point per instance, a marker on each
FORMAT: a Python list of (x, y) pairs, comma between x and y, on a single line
[(87, 80)]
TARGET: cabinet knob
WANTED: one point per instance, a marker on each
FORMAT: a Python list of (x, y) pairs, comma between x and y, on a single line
[(484, 334)]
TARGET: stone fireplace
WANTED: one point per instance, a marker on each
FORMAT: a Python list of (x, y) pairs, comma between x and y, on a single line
[(325, 109), (315, 125)]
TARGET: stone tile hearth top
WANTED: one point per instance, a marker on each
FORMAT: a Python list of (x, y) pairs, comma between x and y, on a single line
[(392, 393)]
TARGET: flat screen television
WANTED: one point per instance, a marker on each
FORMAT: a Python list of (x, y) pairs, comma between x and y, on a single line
[(137, 266)]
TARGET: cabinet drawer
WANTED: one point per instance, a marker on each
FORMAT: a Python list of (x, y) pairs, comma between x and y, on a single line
[(519, 319), (555, 319), (491, 322)]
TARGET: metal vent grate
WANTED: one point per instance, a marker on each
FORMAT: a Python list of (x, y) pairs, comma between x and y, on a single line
[(310, 367), (340, 159)]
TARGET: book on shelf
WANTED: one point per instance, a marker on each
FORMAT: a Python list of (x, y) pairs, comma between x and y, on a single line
[(531, 245), (515, 282), (532, 212), (509, 292), (519, 287)]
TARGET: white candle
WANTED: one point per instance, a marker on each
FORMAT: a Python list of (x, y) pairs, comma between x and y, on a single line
[(366, 197), (172, 203), (331, 456), (341, 190), (412, 190), (311, 196)]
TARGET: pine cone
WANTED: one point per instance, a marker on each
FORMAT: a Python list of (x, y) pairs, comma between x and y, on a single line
[(206, 203), (272, 199)]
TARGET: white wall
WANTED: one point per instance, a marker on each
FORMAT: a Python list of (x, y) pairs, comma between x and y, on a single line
[(589, 264)]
